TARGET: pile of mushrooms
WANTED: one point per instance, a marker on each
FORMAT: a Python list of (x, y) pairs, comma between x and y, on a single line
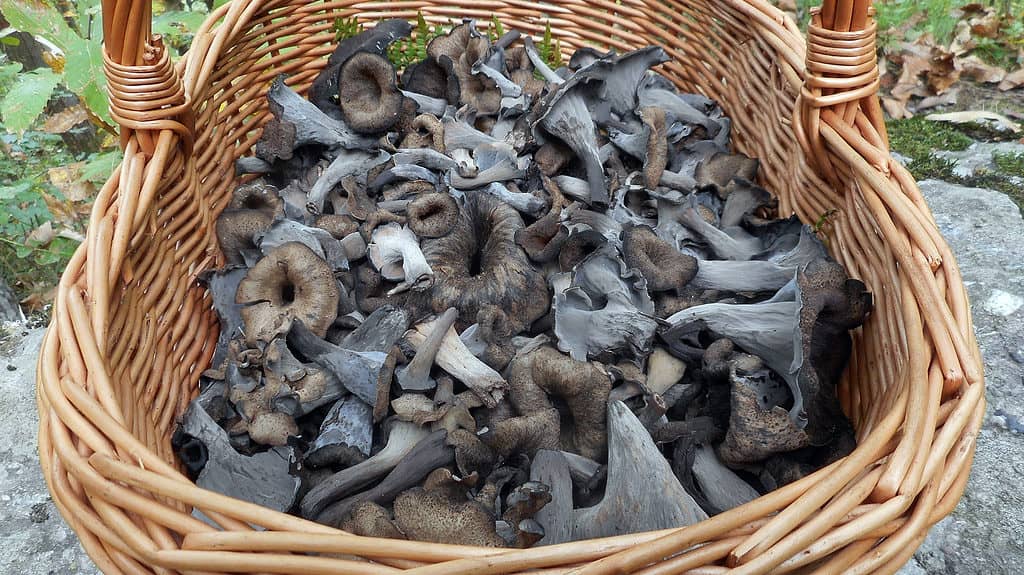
[(486, 302)]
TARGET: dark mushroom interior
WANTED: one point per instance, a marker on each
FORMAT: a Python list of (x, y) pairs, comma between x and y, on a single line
[(506, 303)]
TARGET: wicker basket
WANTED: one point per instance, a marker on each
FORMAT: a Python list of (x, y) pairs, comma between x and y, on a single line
[(132, 329)]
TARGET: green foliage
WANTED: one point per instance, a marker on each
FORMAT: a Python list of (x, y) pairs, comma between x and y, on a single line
[(550, 50), (497, 30), (81, 66), (1011, 164), (408, 51), (32, 265), (346, 28), (917, 137), (178, 28), (27, 98)]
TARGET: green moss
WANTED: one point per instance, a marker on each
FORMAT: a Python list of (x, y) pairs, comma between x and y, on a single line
[(917, 137), (1009, 164), (918, 140)]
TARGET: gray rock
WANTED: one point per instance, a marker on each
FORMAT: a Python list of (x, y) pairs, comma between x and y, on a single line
[(985, 533), (33, 536), (9, 308), (978, 157)]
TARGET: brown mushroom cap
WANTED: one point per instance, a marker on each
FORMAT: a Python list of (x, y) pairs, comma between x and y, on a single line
[(338, 226), (663, 266), (432, 215), (657, 145), (464, 46), (272, 428), (754, 432), (237, 229), (721, 168), (542, 240), (257, 195), (432, 78), (440, 512), (520, 71), (289, 283), (478, 263), (577, 247), (369, 95), (426, 132), (552, 157), (371, 520), (583, 385)]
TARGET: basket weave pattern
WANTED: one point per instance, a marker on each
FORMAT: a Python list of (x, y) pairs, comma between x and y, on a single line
[(132, 329)]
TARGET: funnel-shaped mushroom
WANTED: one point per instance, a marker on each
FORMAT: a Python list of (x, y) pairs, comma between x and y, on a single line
[(478, 264), (237, 231), (289, 283), (565, 116), (361, 372), (395, 251), (312, 126), (639, 478), (801, 334), (432, 215), (606, 309), (583, 386), (325, 89), (662, 265), (369, 95)]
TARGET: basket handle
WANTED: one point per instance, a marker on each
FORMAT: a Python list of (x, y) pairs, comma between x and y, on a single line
[(841, 80), (146, 92)]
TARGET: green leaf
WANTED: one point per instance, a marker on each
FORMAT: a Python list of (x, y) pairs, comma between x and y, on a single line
[(40, 18), (83, 68), (83, 75), (10, 41), (178, 23), (11, 192), (27, 98), (8, 72), (47, 257), (22, 251), (99, 168)]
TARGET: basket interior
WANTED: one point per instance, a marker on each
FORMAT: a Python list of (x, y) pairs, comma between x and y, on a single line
[(163, 327)]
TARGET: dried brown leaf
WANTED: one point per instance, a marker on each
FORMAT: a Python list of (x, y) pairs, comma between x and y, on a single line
[(68, 179), (65, 120), (976, 69), (43, 234), (1012, 80), (896, 109)]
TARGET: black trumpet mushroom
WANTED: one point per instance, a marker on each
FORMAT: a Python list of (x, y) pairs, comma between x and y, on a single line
[(473, 300)]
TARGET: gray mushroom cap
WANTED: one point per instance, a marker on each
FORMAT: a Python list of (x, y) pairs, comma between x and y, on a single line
[(368, 88), (324, 90), (604, 309)]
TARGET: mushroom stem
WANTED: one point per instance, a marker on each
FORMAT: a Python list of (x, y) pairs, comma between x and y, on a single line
[(416, 375), (404, 437), (427, 455), (455, 358)]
